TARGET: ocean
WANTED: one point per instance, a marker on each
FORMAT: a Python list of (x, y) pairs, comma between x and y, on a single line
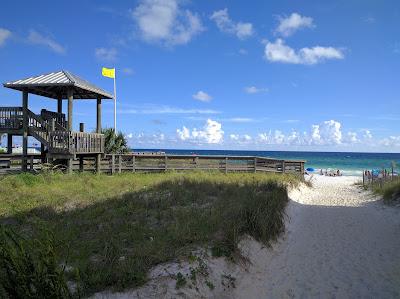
[(348, 163)]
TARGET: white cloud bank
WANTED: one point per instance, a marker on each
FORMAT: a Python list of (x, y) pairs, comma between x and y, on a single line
[(225, 24), (211, 133), (4, 35), (36, 38), (278, 51), (164, 21), (289, 25), (202, 96)]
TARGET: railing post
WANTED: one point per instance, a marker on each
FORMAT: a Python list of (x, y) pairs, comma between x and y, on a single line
[(226, 164), (196, 161), (112, 163), (133, 163), (283, 166), (165, 163), (119, 163), (31, 163), (255, 164)]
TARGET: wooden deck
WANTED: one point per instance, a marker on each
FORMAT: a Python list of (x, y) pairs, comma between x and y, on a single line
[(49, 128), (112, 164)]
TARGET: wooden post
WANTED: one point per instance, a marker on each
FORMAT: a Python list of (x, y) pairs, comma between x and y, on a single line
[(98, 130), (9, 143), (43, 156), (31, 164), (165, 163), (59, 104), (119, 163), (25, 130), (255, 164), (81, 129), (70, 108), (70, 165), (70, 122), (112, 163), (196, 161), (283, 166), (226, 164), (133, 163)]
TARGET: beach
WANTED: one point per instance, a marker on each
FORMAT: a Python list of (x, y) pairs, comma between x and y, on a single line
[(340, 242)]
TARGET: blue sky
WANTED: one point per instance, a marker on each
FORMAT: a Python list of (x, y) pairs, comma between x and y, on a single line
[(270, 75)]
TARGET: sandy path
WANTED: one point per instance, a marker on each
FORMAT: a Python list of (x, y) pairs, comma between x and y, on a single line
[(340, 243)]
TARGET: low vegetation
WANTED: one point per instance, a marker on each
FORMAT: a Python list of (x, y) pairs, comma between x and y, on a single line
[(109, 231), (390, 190)]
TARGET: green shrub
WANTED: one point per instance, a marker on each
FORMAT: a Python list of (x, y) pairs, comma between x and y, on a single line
[(29, 268)]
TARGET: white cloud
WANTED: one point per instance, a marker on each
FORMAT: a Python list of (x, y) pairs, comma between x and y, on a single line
[(352, 137), (239, 120), (367, 134), (280, 52), (202, 96), (391, 141), (234, 137), (225, 24), (164, 21), (4, 35), (211, 133), (289, 25), (161, 109), (35, 37), (128, 71), (327, 133), (243, 52), (106, 54), (254, 89)]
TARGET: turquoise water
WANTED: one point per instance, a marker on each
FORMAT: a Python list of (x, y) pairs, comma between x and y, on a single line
[(348, 163)]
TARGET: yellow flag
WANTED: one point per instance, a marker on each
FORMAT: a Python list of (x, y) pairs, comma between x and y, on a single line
[(110, 73)]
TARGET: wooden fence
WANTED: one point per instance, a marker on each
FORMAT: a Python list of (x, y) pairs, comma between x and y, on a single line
[(159, 163), (118, 163)]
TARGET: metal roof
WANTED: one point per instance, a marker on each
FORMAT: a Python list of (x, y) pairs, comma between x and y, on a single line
[(56, 84)]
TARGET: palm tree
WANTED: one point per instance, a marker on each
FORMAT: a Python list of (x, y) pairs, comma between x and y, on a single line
[(114, 143)]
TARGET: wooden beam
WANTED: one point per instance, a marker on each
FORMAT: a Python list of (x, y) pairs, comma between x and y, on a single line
[(70, 108), (9, 143), (25, 131), (59, 104), (98, 118), (98, 130)]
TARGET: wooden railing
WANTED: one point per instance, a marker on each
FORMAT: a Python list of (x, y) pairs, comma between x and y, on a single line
[(59, 119), (159, 163), (65, 142), (11, 118)]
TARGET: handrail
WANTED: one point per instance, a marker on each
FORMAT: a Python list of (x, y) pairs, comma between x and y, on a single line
[(11, 118), (76, 142)]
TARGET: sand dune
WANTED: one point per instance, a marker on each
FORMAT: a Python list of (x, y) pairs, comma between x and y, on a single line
[(340, 242)]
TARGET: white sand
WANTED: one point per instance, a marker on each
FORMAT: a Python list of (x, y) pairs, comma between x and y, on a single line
[(340, 242)]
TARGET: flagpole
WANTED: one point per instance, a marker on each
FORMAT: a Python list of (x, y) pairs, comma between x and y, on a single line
[(115, 105)]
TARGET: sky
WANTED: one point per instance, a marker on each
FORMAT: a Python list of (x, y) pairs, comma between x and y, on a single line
[(262, 75)]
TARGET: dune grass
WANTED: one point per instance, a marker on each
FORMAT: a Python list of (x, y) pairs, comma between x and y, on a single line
[(109, 231), (390, 190)]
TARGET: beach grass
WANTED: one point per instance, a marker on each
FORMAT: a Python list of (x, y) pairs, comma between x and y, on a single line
[(390, 190), (109, 231)]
